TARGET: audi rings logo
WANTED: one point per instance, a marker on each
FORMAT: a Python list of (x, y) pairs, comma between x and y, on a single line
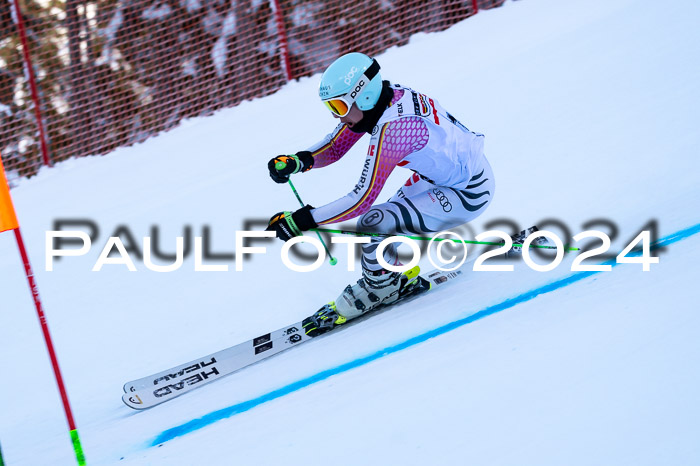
[(372, 218), (442, 199)]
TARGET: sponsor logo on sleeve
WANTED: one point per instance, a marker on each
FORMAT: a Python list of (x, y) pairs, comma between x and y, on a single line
[(363, 178), (416, 105), (424, 107), (421, 106)]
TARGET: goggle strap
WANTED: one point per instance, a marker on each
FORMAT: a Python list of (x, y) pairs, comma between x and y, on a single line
[(372, 70)]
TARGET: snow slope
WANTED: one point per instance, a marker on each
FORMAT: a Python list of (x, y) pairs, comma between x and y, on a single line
[(590, 109)]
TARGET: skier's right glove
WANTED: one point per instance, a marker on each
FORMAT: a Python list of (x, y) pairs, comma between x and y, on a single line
[(289, 165), (287, 225)]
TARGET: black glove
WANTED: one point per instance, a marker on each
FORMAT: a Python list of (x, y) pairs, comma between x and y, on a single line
[(287, 225), (299, 162)]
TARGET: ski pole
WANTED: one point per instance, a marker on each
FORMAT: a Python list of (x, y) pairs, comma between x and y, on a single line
[(423, 238), (332, 260)]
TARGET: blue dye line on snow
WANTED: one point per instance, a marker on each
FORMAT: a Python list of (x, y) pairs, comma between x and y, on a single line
[(230, 411)]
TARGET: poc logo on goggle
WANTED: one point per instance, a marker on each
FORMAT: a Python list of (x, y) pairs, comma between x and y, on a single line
[(357, 89)]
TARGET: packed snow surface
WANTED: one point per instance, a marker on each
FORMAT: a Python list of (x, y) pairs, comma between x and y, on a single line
[(590, 110)]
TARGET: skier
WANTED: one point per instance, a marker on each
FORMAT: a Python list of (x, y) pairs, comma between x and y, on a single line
[(452, 182)]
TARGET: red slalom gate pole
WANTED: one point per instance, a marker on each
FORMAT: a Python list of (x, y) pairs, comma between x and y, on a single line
[(8, 221), (75, 439)]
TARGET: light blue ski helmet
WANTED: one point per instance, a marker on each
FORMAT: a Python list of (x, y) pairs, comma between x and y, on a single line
[(344, 75)]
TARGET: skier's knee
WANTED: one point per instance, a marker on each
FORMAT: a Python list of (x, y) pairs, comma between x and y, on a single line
[(373, 221)]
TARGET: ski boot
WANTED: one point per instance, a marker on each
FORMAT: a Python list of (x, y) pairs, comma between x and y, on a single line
[(373, 290)]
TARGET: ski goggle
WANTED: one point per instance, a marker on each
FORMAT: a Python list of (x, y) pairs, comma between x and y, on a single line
[(341, 105)]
